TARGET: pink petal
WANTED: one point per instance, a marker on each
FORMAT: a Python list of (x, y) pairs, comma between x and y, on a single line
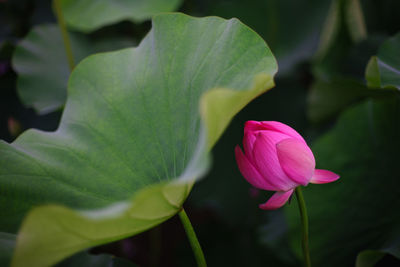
[(250, 173), (252, 126), (283, 128), (266, 160), (323, 177), (277, 200), (296, 159), (248, 142)]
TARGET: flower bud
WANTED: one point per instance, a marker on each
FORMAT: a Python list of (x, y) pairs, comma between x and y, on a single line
[(277, 158)]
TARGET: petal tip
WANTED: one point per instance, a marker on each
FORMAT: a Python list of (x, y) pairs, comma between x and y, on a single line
[(277, 200), (324, 177), (264, 206)]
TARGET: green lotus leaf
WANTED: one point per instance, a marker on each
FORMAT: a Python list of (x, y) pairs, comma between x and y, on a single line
[(327, 99), (370, 257), (273, 20), (383, 70), (7, 245), (134, 136), (42, 67), (89, 15), (362, 148)]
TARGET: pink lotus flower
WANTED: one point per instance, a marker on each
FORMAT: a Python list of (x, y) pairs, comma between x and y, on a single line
[(276, 158)]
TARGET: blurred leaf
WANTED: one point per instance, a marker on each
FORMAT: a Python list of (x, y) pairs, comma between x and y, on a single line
[(89, 15), (383, 71), (291, 34), (83, 259), (131, 126), (327, 99), (358, 211), (368, 258), (7, 244), (42, 67), (344, 29), (330, 29), (342, 85), (335, 44), (372, 73), (355, 20)]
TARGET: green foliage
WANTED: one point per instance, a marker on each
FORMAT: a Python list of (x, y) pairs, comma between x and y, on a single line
[(131, 126), (330, 30), (42, 67), (291, 35), (369, 258), (355, 20), (383, 70), (357, 210), (7, 244), (89, 15), (327, 99), (93, 183), (340, 62), (343, 28), (361, 147), (343, 14)]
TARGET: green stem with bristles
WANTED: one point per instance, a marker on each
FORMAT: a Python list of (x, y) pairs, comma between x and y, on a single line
[(304, 224), (194, 242)]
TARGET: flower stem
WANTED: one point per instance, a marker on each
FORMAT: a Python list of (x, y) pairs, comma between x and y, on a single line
[(194, 242), (304, 223), (64, 33)]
